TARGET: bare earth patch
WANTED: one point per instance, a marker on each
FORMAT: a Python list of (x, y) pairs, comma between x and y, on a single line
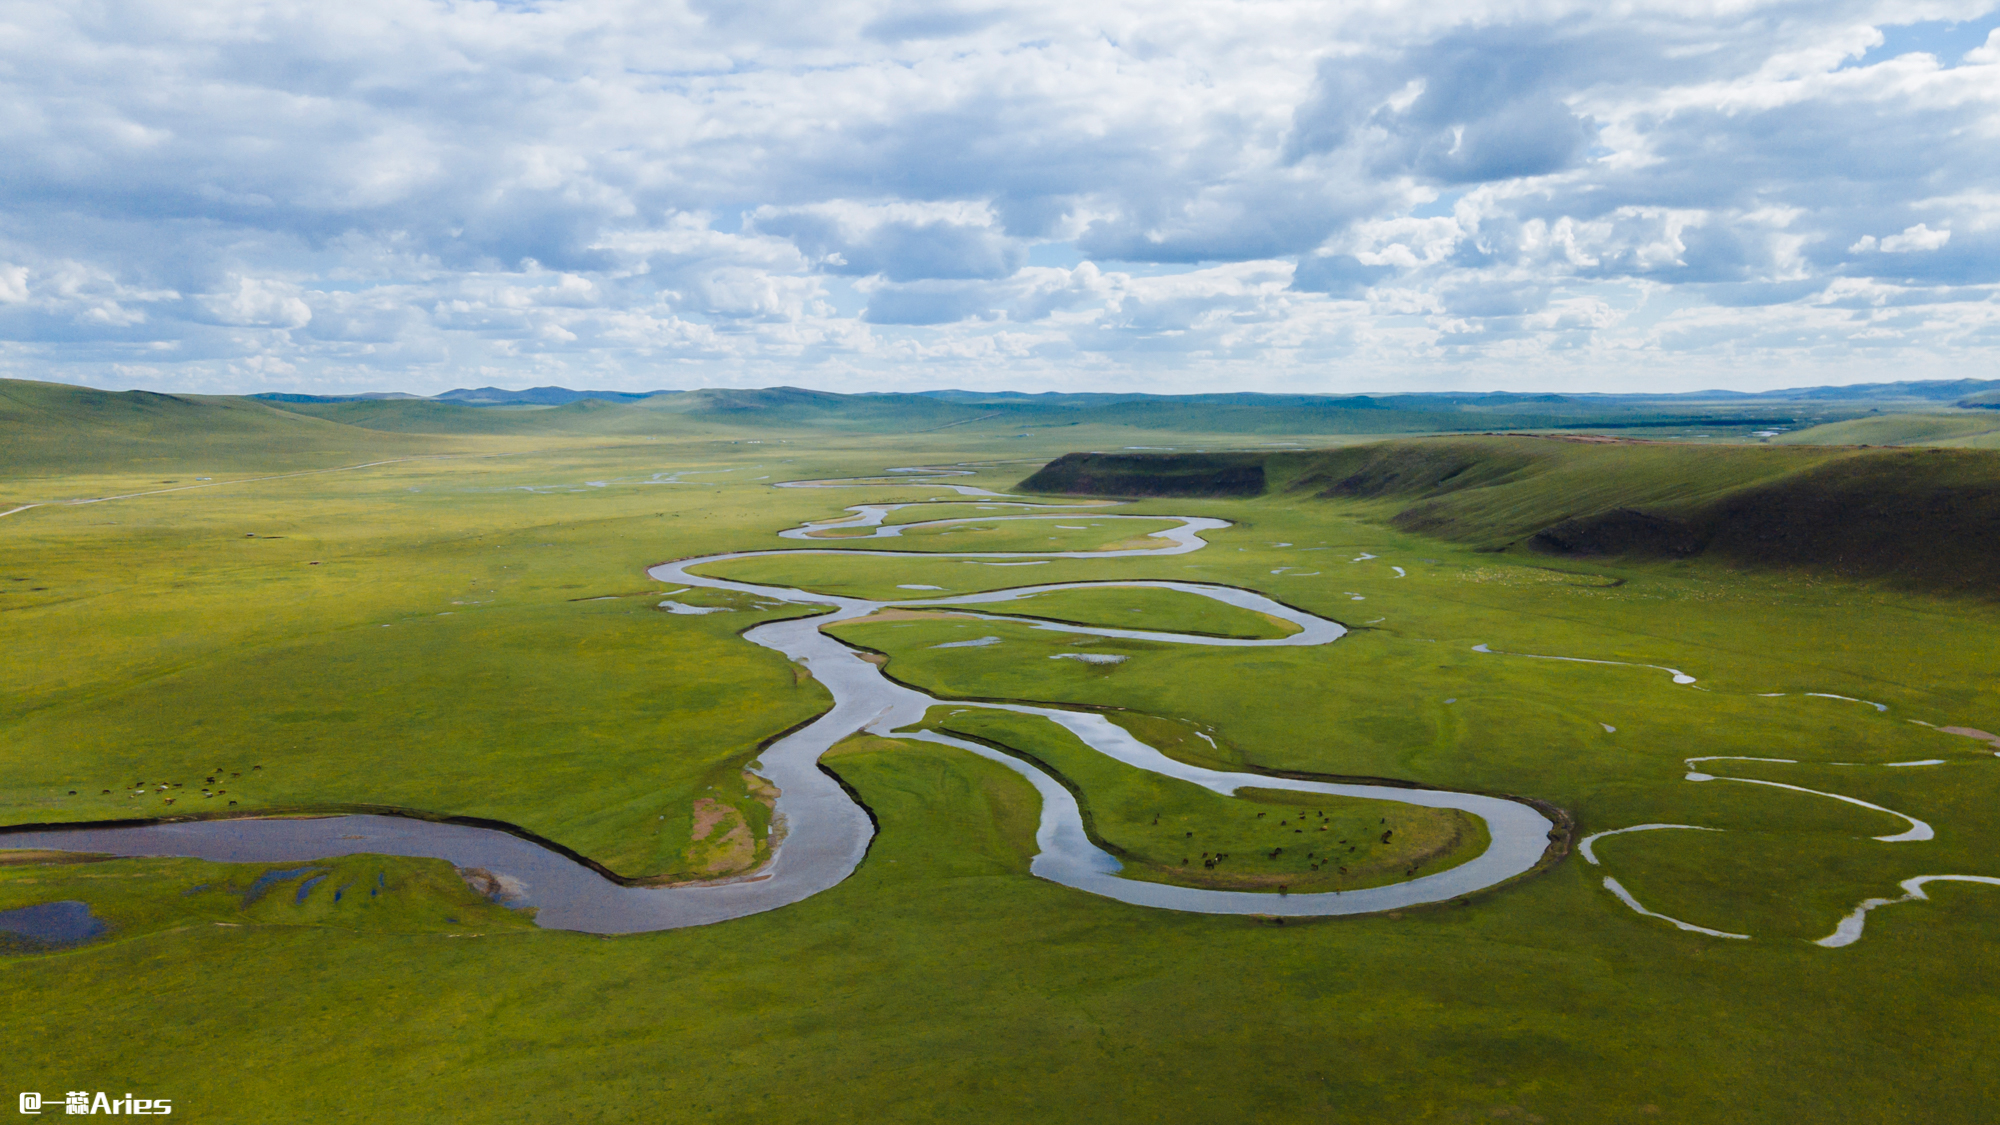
[(720, 842)]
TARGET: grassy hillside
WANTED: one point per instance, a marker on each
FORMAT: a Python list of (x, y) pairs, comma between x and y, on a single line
[(424, 417), (1926, 518), (50, 427), (1900, 429), (791, 406)]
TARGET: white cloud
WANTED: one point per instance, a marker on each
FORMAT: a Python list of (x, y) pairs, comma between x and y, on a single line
[(1919, 237), (259, 302), (375, 194)]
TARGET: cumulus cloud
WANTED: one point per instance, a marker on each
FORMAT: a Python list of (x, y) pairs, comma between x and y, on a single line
[(258, 302), (1919, 237), (377, 195)]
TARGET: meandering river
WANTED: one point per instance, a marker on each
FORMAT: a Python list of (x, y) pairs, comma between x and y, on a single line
[(825, 833)]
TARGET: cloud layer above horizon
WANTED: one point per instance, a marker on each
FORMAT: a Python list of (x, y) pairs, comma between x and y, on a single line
[(1159, 196)]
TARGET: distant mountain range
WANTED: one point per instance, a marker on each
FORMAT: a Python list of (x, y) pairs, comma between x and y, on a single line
[(1984, 393), (481, 396)]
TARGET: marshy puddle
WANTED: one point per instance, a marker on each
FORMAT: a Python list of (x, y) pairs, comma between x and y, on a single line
[(51, 924)]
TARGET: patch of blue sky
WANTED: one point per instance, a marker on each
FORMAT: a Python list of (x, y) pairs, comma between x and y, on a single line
[(1439, 208), (1947, 40)]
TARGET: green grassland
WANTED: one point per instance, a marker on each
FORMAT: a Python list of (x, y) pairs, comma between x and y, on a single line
[(1169, 831), (479, 638), (432, 636)]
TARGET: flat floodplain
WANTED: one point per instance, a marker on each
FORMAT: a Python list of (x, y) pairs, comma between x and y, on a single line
[(477, 637)]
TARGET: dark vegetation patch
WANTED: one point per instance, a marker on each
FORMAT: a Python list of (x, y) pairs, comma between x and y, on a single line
[(1619, 532), (1151, 474), (1924, 517), (1931, 516)]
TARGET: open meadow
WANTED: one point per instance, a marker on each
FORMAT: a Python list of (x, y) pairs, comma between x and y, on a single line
[(459, 623)]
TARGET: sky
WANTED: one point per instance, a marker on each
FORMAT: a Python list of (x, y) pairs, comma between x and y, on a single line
[(1163, 196)]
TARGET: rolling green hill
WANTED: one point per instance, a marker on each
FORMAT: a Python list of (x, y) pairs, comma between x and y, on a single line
[(427, 416), (51, 428), (421, 416), (1902, 429), (1926, 518), (792, 406)]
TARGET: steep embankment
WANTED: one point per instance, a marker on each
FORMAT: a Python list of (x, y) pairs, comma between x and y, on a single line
[(1926, 518), (1151, 474)]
